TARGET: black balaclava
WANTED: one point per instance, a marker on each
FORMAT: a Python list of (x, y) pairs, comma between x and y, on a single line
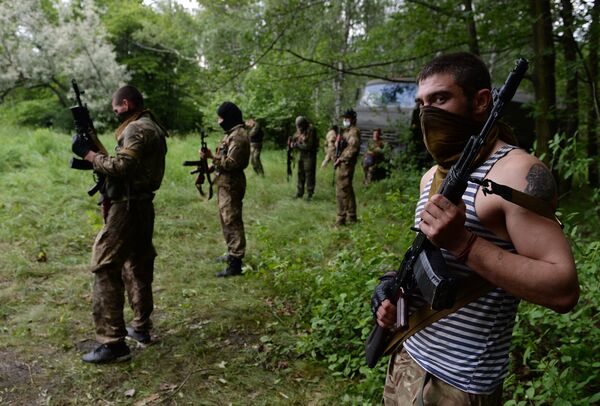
[(231, 115)]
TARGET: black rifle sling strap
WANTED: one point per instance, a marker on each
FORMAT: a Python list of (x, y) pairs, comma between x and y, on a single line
[(474, 288), (532, 203)]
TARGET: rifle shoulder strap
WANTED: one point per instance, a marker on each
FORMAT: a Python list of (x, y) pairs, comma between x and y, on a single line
[(532, 203), (475, 287)]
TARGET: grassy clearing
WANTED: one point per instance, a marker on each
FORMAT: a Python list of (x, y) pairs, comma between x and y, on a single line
[(217, 341)]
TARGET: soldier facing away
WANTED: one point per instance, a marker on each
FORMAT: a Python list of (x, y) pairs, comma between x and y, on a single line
[(123, 253), (346, 157), (230, 160), (305, 140), (329, 147)]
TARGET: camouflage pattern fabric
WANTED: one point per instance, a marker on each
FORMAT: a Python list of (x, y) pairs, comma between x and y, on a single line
[(329, 148), (307, 143), (255, 149), (233, 154), (344, 191), (230, 215), (404, 386), (123, 260), (123, 253)]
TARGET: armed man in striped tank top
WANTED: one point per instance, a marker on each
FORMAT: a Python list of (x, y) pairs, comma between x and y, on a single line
[(462, 358)]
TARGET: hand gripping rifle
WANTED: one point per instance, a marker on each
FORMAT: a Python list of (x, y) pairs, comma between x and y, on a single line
[(85, 129), (202, 168), (423, 266)]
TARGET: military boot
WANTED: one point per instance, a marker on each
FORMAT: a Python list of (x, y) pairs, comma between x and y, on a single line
[(234, 267)]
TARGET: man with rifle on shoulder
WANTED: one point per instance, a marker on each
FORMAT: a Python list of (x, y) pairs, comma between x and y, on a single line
[(123, 254), (347, 146), (519, 251)]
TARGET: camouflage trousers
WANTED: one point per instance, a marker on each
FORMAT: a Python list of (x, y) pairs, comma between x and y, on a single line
[(255, 149), (123, 261), (232, 224), (406, 384), (344, 192), (307, 169)]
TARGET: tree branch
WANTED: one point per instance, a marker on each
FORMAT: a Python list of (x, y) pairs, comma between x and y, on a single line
[(437, 9)]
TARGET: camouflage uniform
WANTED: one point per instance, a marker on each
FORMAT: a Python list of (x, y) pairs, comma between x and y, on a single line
[(329, 148), (406, 384), (123, 254), (307, 143), (344, 174), (232, 156), (256, 138)]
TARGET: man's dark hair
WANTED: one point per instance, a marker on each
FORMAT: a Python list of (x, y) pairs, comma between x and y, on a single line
[(468, 70), (131, 94)]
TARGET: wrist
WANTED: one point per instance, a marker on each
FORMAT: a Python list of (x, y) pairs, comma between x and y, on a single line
[(463, 255), (89, 156)]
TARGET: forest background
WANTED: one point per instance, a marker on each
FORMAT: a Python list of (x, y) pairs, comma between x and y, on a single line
[(277, 60)]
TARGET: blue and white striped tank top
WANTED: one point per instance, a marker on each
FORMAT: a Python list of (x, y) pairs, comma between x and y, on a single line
[(469, 348)]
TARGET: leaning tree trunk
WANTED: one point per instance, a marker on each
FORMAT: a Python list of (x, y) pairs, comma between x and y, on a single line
[(544, 75), (471, 28), (571, 117), (592, 121)]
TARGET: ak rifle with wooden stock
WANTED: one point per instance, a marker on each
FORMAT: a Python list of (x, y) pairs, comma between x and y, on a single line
[(202, 169)]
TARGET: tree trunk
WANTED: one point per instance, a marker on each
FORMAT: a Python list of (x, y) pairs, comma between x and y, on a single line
[(592, 121), (544, 75), (570, 118), (471, 28)]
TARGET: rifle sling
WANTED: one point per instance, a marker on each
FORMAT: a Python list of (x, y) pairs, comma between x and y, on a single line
[(532, 203), (425, 316)]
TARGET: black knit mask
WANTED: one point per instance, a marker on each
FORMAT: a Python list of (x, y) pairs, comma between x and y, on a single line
[(231, 115)]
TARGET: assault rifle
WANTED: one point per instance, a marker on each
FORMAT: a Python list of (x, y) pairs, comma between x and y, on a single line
[(85, 129), (423, 266), (202, 168), (340, 146)]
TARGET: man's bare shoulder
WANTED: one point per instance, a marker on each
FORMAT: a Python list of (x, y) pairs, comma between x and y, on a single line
[(526, 173)]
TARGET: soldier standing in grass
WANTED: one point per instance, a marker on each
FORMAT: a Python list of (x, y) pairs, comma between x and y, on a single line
[(347, 150), (256, 140), (123, 253), (305, 140), (329, 146), (230, 160)]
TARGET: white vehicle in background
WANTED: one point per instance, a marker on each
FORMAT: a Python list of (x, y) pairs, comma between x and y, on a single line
[(391, 106)]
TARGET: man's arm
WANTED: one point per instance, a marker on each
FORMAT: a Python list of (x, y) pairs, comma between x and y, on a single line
[(542, 270), (353, 146), (126, 158), (234, 158)]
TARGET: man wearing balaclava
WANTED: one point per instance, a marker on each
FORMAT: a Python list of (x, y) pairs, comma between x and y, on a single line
[(512, 252), (306, 141), (347, 148), (229, 161)]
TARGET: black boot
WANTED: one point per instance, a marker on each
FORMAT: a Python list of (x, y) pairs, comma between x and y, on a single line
[(234, 267)]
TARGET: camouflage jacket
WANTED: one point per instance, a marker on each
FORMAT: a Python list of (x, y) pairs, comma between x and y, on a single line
[(138, 167), (232, 157), (350, 153), (307, 142)]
